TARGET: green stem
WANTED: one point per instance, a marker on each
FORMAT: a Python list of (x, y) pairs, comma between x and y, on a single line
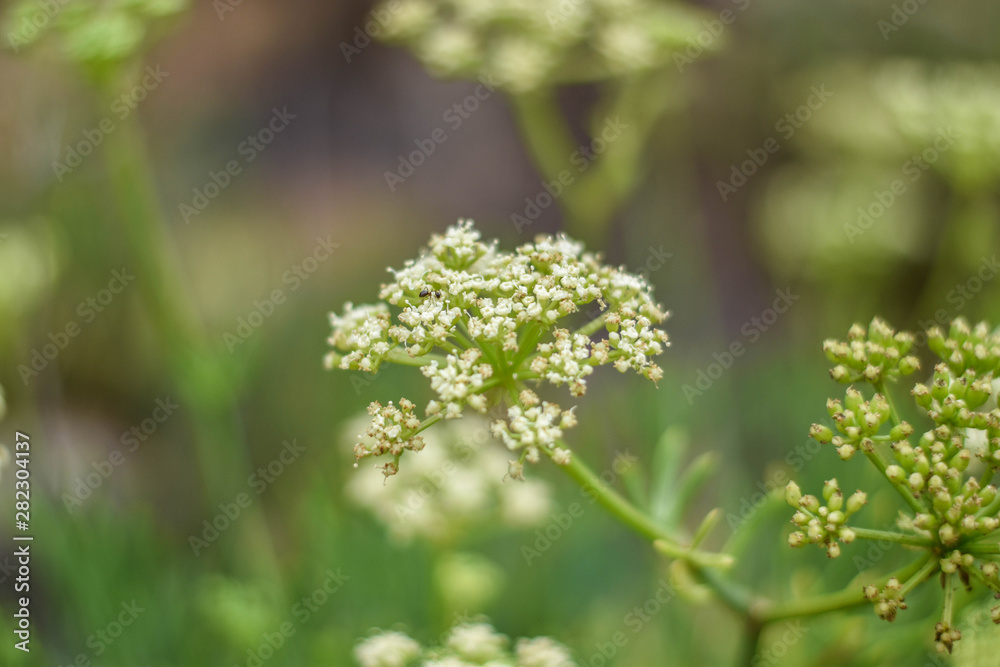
[(850, 597), (880, 463), (544, 130), (402, 357), (900, 538), (198, 373), (636, 520), (881, 388), (981, 549), (949, 600)]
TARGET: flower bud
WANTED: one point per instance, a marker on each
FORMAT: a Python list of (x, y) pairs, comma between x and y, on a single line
[(916, 482), (796, 539), (853, 400), (820, 433), (908, 365), (840, 374), (833, 550), (809, 503), (857, 500), (846, 452), (872, 373), (836, 501), (935, 341), (901, 431), (793, 494), (922, 395), (895, 474), (830, 487)]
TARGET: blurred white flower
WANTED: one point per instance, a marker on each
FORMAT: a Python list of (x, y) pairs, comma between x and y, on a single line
[(528, 44), (456, 482), (390, 649), (469, 644)]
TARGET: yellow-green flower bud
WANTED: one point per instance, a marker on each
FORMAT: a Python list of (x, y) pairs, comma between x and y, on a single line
[(857, 500), (793, 494)]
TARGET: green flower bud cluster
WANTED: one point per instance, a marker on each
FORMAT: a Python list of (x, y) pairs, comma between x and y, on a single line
[(871, 355), (96, 34), (966, 348), (856, 420), (888, 601), (954, 508), (824, 525), (529, 44), (951, 399), (945, 636)]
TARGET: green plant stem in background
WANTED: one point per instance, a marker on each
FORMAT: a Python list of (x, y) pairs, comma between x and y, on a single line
[(197, 370), (551, 145)]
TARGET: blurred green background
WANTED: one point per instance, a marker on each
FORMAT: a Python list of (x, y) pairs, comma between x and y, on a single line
[(840, 159)]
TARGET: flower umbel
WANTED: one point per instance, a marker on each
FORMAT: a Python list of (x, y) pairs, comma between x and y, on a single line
[(943, 476), (481, 323)]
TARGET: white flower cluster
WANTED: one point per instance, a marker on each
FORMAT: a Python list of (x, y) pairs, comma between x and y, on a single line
[(455, 484), (526, 44), (481, 322), (534, 427), (390, 431), (467, 645)]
